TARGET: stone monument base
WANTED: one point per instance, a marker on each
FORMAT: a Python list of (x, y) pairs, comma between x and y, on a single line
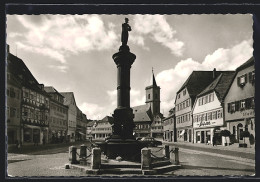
[(128, 149)]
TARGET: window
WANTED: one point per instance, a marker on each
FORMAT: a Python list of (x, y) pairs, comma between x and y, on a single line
[(179, 96), (199, 101), (242, 104), (205, 117), (202, 117), (184, 92), (206, 99), (214, 115), (241, 81), (233, 107), (210, 116), (209, 97), (12, 112), (149, 96), (12, 93), (251, 76)]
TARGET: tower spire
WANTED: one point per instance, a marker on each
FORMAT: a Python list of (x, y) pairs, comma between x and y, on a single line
[(154, 81)]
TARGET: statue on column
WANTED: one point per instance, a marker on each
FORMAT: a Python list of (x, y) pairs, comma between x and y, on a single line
[(124, 35)]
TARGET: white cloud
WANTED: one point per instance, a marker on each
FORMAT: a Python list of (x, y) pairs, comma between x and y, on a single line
[(43, 51), (156, 27), (67, 34), (61, 68), (172, 79), (93, 111)]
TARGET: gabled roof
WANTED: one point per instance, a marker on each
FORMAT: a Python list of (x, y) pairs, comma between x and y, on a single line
[(17, 67), (248, 63), (142, 113), (197, 81), (50, 89), (69, 97), (108, 119), (220, 85)]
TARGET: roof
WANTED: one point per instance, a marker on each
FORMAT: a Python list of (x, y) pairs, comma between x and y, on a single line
[(142, 113), (220, 85), (50, 89), (17, 67), (108, 119), (69, 97), (248, 63), (91, 123), (197, 81)]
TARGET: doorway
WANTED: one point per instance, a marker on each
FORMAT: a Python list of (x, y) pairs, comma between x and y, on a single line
[(202, 137)]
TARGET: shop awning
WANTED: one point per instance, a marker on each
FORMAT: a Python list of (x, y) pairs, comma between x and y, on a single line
[(182, 133), (82, 133)]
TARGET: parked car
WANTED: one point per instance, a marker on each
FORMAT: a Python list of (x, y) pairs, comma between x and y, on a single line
[(150, 141)]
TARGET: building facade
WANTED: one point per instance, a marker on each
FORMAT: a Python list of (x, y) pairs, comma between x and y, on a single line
[(69, 100), (208, 110), (13, 108), (169, 127), (185, 98), (34, 113), (240, 101), (58, 125), (102, 129)]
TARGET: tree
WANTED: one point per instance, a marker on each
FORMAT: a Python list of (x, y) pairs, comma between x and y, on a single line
[(244, 134), (225, 133)]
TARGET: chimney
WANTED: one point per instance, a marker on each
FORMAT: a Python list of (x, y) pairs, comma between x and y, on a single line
[(214, 73), (8, 48)]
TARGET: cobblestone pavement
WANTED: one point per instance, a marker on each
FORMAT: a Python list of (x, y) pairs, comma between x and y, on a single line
[(194, 163)]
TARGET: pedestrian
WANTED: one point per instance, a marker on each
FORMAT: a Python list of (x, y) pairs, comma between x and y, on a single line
[(214, 140)]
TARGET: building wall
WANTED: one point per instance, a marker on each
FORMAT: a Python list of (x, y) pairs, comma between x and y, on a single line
[(184, 116), (58, 121), (142, 129), (35, 116), (242, 119), (13, 114), (101, 130), (72, 115), (168, 129), (206, 116)]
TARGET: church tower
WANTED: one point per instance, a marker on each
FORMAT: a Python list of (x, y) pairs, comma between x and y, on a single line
[(153, 97)]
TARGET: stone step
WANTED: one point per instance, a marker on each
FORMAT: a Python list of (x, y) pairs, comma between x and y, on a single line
[(161, 163), (167, 168), (109, 166), (121, 171)]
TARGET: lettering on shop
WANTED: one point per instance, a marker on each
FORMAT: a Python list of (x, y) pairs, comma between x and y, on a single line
[(204, 123), (248, 113)]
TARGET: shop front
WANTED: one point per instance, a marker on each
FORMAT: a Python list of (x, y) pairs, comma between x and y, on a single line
[(184, 134), (32, 134)]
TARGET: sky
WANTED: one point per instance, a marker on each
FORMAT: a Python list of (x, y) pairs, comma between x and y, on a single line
[(73, 53)]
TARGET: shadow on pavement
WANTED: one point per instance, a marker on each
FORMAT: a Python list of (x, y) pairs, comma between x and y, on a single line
[(217, 168)]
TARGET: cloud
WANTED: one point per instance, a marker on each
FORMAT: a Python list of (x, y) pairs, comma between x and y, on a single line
[(61, 68), (222, 59), (158, 29), (93, 111), (66, 34), (56, 55)]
